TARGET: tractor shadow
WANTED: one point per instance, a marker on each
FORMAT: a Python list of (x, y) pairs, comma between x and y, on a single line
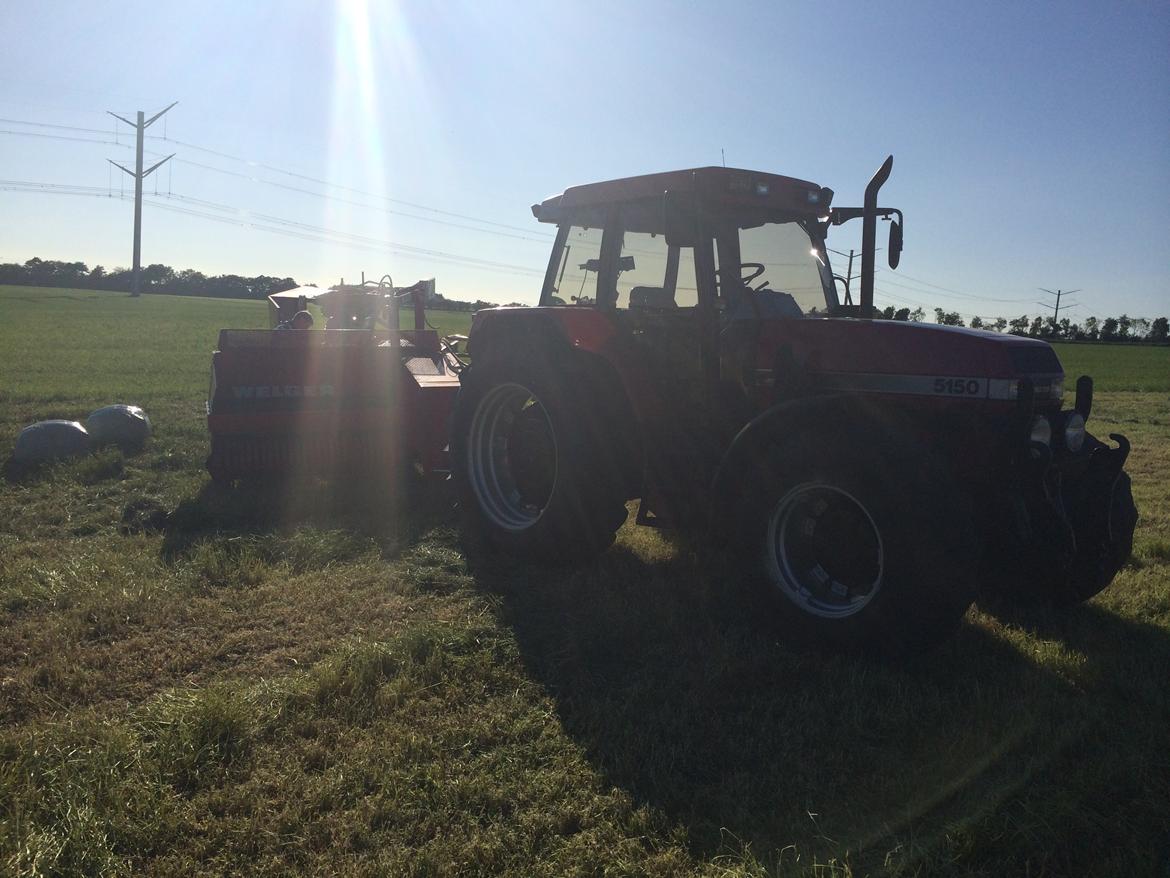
[(394, 516), (673, 683)]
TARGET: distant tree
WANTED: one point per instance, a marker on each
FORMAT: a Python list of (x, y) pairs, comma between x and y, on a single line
[(1037, 327), (189, 282), (1062, 328), (1091, 328), (157, 275), (887, 312), (1109, 329), (917, 315), (1139, 327), (947, 318), (1000, 324), (1159, 329), (264, 286), (1019, 326), (1123, 326), (52, 273), (976, 322)]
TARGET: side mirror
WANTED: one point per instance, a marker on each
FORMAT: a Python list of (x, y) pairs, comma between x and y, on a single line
[(895, 247), (678, 220)]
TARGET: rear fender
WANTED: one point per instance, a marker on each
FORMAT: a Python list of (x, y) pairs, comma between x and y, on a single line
[(561, 327), (569, 341)]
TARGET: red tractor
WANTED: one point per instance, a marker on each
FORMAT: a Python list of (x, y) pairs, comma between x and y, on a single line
[(691, 351)]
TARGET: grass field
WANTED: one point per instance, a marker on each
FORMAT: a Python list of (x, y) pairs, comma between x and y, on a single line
[(1117, 367), (196, 682)]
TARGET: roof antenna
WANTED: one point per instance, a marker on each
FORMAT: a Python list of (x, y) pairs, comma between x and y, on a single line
[(723, 156)]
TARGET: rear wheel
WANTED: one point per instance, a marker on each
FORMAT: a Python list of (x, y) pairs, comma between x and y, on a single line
[(526, 454), (860, 550)]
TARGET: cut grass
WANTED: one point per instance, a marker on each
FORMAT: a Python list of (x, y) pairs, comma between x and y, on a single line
[(195, 681)]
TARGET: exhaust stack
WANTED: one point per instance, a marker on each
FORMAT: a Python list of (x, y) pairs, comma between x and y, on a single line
[(869, 235)]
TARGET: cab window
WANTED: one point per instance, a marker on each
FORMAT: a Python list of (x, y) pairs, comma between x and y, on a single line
[(789, 262), (575, 282), (652, 275)]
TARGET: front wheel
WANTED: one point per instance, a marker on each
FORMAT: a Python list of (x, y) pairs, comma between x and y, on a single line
[(861, 550), (527, 456)]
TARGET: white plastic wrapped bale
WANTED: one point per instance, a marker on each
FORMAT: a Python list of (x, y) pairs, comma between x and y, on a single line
[(123, 425), (50, 440)]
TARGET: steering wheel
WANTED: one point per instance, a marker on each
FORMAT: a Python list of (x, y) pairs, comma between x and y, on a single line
[(756, 269)]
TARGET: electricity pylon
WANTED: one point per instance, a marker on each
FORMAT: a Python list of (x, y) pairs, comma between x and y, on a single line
[(139, 175)]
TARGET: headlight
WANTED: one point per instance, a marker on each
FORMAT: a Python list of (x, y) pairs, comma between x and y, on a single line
[(1074, 432), (1041, 430)]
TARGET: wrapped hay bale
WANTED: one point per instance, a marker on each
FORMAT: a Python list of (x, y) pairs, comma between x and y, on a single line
[(50, 440), (124, 425)]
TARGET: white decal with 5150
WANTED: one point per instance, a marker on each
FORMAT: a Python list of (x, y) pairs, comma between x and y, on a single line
[(960, 386), (915, 385)]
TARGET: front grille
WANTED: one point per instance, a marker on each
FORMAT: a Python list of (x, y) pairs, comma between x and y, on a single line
[(1035, 358)]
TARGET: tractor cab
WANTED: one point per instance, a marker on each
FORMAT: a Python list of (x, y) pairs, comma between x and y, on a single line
[(695, 239), (693, 262)]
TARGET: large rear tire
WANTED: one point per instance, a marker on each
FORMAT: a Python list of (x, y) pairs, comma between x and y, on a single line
[(528, 457), (861, 549)]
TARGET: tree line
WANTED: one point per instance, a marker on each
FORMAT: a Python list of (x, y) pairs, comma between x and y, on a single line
[(163, 279), (155, 279), (160, 278), (1110, 329)]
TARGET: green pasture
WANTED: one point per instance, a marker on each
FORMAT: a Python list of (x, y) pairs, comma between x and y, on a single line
[(1138, 368), (319, 681)]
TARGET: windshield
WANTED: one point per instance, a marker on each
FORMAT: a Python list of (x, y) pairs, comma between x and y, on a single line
[(781, 260)]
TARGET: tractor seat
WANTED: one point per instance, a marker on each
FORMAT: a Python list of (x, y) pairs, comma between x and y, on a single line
[(651, 297)]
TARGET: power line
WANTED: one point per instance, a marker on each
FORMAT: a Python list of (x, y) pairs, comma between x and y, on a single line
[(898, 283), (936, 290), (61, 137), (280, 226), (543, 239), (50, 125), (321, 182), (274, 169)]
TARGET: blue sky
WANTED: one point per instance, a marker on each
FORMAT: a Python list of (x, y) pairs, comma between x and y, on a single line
[(1031, 141)]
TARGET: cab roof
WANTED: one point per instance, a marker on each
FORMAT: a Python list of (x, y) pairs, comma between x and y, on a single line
[(729, 186)]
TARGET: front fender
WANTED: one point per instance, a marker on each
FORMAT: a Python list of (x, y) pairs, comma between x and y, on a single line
[(783, 419), (808, 419)]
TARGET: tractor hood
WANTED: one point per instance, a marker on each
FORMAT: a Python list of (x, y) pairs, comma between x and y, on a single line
[(916, 358)]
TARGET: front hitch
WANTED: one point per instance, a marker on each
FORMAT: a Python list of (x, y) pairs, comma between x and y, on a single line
[(1101, 508)]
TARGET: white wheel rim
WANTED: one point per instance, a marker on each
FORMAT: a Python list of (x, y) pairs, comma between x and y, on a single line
[(828, 582), (497, 476)]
